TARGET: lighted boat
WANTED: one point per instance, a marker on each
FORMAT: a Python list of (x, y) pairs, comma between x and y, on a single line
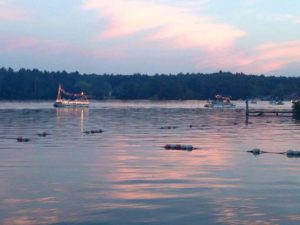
[(72, 100), (220, 102)]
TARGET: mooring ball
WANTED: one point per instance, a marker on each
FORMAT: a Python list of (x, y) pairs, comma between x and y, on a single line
[(290, 152), (43, 134), (255, 151), (168, 127), (187, 147), (179, 147), (190, 147), (293, 153), (21, 139)]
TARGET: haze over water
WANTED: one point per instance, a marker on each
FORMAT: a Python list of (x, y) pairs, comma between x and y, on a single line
[(125, 176)]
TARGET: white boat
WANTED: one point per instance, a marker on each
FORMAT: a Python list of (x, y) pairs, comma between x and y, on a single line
[(75, 100), (220, 102)]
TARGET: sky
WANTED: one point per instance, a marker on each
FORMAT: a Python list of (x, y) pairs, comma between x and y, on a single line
[(152, 36)]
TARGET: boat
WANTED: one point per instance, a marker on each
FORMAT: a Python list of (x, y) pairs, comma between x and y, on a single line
[(220, 102), (73, 100), (253, 101), (276, 102)]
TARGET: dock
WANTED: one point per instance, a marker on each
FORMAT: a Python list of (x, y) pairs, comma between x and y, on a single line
[(267, 112)]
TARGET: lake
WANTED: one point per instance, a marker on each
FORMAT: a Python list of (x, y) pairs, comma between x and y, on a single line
[(125, 176)]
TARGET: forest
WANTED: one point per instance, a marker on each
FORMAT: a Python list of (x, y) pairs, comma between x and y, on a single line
[(26, 84)]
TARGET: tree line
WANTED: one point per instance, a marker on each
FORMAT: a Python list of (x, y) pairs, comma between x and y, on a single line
[(36, 84)]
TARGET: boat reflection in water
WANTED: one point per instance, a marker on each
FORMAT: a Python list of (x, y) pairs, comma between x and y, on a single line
[(220, 102), (74, 100), (79, 114)]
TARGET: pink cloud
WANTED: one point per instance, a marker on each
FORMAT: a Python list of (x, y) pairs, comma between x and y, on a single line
[(9, 12), (13, 44), (277, 55), (107, 54), (165, 23), (287, 50), (176, 27), (34, 45), (266, 58)]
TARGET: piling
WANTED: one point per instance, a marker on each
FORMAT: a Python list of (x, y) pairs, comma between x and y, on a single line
[(247, 111), (296, 110)]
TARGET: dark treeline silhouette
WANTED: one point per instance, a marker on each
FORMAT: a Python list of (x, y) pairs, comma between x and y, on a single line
[(36, 84)]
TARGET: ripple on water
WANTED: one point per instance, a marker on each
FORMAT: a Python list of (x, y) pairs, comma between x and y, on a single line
[(125, 176)]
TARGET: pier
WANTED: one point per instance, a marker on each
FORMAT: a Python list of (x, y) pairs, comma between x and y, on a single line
[(267, 112)]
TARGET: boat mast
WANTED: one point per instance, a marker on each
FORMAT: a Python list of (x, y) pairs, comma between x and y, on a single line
[(59, 93)]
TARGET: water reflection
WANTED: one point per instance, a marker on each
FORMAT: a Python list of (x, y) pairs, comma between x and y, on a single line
[(73, 114), (124, 175)]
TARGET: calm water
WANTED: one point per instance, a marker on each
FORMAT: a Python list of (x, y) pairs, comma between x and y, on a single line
[(124, 176)]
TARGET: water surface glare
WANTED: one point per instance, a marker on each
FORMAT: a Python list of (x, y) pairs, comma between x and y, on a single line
[(125, 176)]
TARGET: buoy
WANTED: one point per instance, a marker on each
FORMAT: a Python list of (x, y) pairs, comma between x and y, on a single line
[(179, 147), (256, 151), (43, 134), (292, 153), (94, 131), (21, 139), (198, 126), (168, 127)]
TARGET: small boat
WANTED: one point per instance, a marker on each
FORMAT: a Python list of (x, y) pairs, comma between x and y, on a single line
[(276, 102), (220, 102), (74, 100)]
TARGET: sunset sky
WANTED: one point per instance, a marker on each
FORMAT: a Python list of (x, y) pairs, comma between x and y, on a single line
[(152, 36)]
